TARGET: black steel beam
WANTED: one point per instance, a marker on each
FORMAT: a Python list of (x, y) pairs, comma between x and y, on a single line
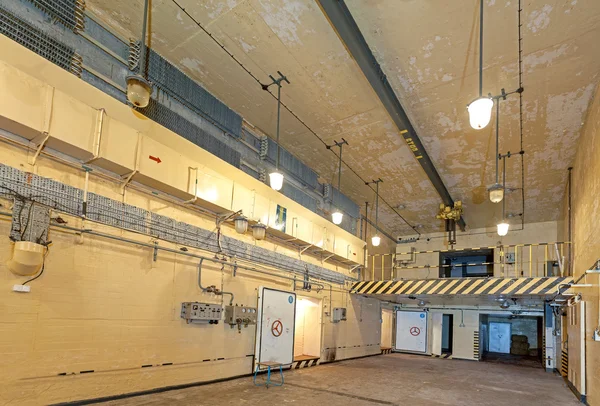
[(343, 23)]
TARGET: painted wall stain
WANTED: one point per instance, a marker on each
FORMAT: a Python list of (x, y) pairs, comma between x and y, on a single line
[(539, 19)]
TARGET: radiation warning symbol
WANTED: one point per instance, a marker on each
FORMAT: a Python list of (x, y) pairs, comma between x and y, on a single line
[(415, 331), (277, 328)]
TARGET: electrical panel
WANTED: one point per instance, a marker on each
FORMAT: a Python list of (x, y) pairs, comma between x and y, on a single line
[(240, 316), (339, 314), (195, 312)]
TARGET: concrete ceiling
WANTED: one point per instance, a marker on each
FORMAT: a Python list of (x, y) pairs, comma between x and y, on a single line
[(429, 51)]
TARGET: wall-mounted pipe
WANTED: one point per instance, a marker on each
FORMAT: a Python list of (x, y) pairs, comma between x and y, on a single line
[(570, 221), (211, 289), (193, 199), (53, 155), (320, 284)]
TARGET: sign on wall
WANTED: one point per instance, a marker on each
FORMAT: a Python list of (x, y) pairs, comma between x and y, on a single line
[(411, 331), (280, 219)]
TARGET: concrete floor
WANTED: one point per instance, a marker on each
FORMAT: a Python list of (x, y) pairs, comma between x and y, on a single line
[(395, 379)]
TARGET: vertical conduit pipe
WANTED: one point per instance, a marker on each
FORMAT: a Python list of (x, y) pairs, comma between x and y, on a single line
[(211, 289), (569, 232)]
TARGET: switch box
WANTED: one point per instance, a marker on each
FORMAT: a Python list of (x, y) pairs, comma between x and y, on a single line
[(201, 312), (240, 315), (339, 314)]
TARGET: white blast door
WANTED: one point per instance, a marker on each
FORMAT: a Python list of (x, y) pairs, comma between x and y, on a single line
[(411, 331), (275, 328), (500, 337)]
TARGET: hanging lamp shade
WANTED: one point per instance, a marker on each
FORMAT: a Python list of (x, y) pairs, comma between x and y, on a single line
[(241, 224), (480, 112), (496, 192), (138, 91), (259, 231), (337, 217), (276, 180), (375, 241), (503, 228)]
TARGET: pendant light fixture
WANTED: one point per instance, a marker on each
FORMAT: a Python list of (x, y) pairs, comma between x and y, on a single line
[(138, 87), (503, 225), (337, 216), (496, 191), (259, 231), (376, 239), (276, 177), (241, 224), (480, 110)]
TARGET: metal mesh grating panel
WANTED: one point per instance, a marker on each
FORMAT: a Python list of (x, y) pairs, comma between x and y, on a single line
[(299, 197), (174, 122), (103, 210), (293, 165), (40, 43), (68, 12), (345, 203), (166, 76)]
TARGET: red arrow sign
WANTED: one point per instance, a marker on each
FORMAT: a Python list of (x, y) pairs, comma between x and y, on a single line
[(155, 159)]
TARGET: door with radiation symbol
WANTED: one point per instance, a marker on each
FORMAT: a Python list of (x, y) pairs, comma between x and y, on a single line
[(411, 331), (275, 326)]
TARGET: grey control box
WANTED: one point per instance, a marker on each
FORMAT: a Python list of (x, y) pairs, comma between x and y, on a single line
[(240, 315), (201, 312), (339, 314)]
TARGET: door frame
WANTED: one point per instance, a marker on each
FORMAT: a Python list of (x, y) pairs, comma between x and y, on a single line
[(450, 332), (321, 326)]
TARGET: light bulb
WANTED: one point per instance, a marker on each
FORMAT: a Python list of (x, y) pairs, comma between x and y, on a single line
[(259, 231), (138, 90), (241, 224), (496, 193), (502, 229), (276, 180), (375, 240), (480, 112), (337, 217)]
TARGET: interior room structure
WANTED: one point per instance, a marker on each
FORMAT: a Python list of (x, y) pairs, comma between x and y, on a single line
[(340, 202)]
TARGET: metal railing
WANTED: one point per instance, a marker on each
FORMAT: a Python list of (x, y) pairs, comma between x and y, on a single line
[(509, 261)]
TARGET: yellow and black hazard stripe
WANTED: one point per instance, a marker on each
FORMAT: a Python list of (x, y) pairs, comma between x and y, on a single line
[(544, 359), (386, 350), (445, 356), (462, 286), (305, 363), (476, 344), (564, 363)]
